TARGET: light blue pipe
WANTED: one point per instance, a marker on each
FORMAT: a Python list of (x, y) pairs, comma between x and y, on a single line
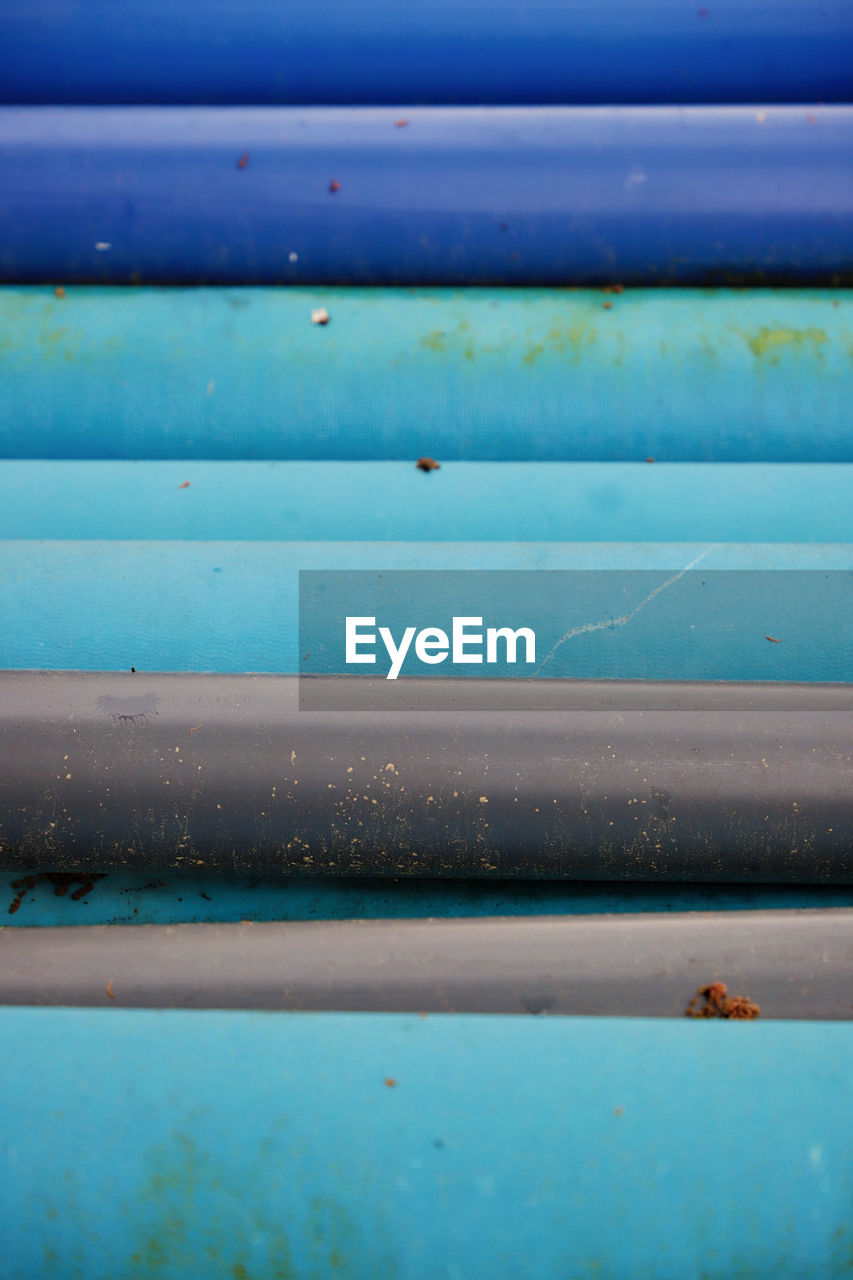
[(234, 606), (394, 501), (232, 1145), (484, 374)]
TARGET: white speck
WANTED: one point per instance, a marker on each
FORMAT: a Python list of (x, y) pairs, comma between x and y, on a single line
[(635, 178), (102, 245), (293, 257), (816, 1157), (761, 116), (484, 800), (319, 316)]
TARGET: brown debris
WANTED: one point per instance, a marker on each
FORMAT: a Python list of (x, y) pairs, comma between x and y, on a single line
[(185, 485), (719, 1004), (649, 459), (400, 124), (59, 291), (607, 306), (613, 288), (427, 464), (243, 161), (110, 992), (334, 186), (61, 881), (773, 639), (391, 1083)]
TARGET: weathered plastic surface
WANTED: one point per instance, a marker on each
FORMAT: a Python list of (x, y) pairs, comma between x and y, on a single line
[(103, 772), (480, 375), (304, 1145), (787, 964), (449, 51), (549, 196)]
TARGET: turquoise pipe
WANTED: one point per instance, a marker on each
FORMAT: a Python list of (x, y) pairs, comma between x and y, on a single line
[(228, 1144), (234, 606), (484, 374)]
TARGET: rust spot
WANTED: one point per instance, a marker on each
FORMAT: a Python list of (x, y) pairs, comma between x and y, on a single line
[(243, 161), (719, 1004), (59, 291), (185, 485), (427, 464), (110, 992), (334, 186), (773, 639)]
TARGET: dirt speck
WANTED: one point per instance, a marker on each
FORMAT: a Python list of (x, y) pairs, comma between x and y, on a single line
[(719, 1004), (59, 291), (773, 639), (243, 161), (390, 1082), (185, 485), (607, 306), (649, 459), (400, 124), (427, 464), (334, 186)]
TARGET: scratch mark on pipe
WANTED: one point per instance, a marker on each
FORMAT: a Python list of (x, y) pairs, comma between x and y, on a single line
[(622, 621)]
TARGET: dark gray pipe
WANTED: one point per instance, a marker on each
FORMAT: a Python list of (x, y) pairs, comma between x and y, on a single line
[(108, 772), (793, 964)]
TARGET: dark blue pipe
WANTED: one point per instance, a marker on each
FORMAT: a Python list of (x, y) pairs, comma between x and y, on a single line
[(544, 196), (446, 51)]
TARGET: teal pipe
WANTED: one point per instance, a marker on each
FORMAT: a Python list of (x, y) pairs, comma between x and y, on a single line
[(481, 374)]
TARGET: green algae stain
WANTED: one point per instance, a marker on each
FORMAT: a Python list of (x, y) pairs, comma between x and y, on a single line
[(435, 340), (769, 342)]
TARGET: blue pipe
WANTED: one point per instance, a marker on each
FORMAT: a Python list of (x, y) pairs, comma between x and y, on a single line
[(237, 1144), (449, 51), (351, 502), (520, 196), (482, 374), (234, 606)]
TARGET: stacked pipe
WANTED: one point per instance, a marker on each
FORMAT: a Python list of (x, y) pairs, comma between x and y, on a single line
[(256, 258), (179, 439)]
